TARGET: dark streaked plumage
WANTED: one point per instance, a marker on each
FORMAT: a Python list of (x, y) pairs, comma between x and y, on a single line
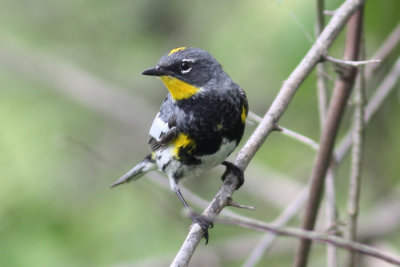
[(200, 122)]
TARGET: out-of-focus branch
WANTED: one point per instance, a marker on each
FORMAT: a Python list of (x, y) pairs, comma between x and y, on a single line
[(375, 102), (287, 215), (314, 236), (331, 217), (337, 105), (78, 84), (329, 12), (321, 67), (268, 123), (322, 88), (383, 219), (384, 51), (356, 161)]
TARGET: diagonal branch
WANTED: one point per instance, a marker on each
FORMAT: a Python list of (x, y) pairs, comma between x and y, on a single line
[(384, 51), (339, 99), (268, 123), (314, 236)]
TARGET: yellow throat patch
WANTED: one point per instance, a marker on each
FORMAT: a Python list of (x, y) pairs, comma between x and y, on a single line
[(178, 89)]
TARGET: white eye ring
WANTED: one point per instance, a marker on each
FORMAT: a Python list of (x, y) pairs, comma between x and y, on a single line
[(185, 66)]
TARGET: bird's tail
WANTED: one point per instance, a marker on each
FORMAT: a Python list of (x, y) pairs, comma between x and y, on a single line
[(147, 164)]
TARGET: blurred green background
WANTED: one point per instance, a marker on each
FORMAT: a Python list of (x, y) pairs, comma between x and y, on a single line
[(75, 112)]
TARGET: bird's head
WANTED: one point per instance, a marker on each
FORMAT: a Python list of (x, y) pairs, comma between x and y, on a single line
[(185, 70)]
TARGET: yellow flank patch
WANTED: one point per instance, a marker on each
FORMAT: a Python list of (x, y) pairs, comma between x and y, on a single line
[(153, 155), (243, 115), (176, 50), (183, 140), (178, 89)]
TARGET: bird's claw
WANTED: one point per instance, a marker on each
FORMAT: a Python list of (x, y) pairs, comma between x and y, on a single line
[(204, 223), (236, 170)]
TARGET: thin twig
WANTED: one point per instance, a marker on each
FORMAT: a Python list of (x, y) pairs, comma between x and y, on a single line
[(268, 123), (337, 105), (314, 236), (299, 137), (351, 63), (289, 133), (232, 203), (356, 162)]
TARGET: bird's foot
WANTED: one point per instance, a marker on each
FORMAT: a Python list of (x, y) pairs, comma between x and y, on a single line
[(230, 167), (203, 222)]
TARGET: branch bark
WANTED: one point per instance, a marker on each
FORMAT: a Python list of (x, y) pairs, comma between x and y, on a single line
[(339, 99), (314, 236), (268, 123)]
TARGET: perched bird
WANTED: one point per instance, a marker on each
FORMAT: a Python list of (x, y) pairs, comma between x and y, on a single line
[(200, 122)]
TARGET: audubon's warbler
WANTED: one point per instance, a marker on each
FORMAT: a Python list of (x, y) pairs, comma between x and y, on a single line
[(200, 123)]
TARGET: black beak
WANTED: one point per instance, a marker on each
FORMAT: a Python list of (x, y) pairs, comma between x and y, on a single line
[(154, 72)]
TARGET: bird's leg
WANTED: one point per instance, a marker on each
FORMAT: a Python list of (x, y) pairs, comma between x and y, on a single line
[(196, 218), (236, 170)]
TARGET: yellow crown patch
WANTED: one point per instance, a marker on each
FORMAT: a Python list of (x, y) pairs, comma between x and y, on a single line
[(176, 50)]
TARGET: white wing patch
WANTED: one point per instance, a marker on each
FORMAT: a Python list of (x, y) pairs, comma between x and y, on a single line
[(158, 127)]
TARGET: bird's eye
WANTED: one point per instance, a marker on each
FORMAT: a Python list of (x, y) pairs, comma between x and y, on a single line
[(185, 66)]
